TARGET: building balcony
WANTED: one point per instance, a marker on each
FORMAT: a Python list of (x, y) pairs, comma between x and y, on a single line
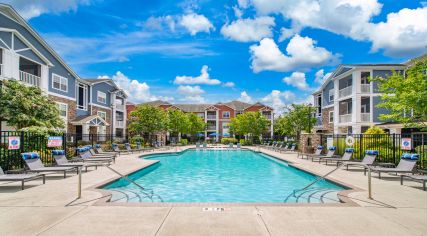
[(211, 117), (345, 118), (365, 88), (120, 107), (29, 79), (120, 124), (211, 127), (365, 117), (347, 91)]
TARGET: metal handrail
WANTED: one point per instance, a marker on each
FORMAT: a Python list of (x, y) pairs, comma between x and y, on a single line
[(318, 179), (138, 185)]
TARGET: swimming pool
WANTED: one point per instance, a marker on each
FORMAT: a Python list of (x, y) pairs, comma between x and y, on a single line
[(239, 176)]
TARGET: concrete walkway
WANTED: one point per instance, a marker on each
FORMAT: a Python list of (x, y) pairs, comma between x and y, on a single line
[(52, 209)]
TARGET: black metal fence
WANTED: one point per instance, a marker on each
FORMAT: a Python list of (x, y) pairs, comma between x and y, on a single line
[(34, 142), (388, 145)]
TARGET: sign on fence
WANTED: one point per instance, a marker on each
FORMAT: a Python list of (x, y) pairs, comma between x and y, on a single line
[(406, 144), (54, 141), (349, 141), (14, 143)]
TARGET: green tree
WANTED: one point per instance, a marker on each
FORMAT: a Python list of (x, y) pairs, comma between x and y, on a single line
[(26, 106), (148, 119), (250, 124), (196, 124), (297, 118), (177, 122), (404, 95)]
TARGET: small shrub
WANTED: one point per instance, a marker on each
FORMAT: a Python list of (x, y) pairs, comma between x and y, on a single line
[(245, 142), (228, 140), (184, 141), (136, 139)]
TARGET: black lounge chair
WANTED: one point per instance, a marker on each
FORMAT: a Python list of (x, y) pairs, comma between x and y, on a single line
[(20, 177)]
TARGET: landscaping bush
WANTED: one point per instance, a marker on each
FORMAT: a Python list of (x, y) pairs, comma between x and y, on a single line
[(184, 141), (228, 140), (136, 139), (245, 142)]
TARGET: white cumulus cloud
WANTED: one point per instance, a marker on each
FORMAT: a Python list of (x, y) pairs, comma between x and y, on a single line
[(297, 79), (137, 92), (244, 97), (321, 77), (279, 100), (301, 53), (195, 23), (249, 30), (30, 9), (403, 34), (229, 84), (203, 78), (190, 90)]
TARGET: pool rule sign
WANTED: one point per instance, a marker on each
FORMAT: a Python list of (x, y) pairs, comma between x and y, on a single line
[(406, 144), (14, 143), (54, 141)]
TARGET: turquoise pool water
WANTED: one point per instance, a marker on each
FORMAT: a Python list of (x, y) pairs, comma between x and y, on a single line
[(239, 176)]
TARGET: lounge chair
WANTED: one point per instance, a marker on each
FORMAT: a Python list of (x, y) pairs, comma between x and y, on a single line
[(61, 160), (230, 145), (283, 148), (418, 178), (117, 150), (407, 164), (205, 145), (34, 164), (348, 154), (274, 145), (99, 150), (292, 149), (85, 156), (95, 154), (318, 152), (278, 147), (239, 146), (129, 149), (329, 154), (367, 161), (20, 177)]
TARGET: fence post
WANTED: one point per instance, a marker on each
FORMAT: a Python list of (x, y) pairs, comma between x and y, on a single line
[(394, 148), (75, 145), (64, 142), (22, 147)]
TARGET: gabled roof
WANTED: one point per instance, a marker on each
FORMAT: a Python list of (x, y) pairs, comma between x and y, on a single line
[(192, 107), (13, 15), (108, 81), (156, 103), (238, 105), (91, 120)]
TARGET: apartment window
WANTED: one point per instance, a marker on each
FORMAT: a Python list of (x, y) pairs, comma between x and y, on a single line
[(102, 114), (81, 96), (331, 95), (101, 97), (226, 114), (62, 109), (59, 83), (331, 117)]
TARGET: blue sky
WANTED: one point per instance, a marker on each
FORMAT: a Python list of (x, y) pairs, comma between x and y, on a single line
[(273, 51)]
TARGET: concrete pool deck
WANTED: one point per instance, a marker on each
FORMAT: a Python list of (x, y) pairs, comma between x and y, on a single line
[(52, 209)]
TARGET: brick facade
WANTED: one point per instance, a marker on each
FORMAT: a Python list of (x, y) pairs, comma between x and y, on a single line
[(328, 127), (309, 142), (71, 111)]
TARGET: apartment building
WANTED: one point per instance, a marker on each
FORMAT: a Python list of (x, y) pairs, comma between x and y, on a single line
[(347, 101), (88, 106), (217, 116)]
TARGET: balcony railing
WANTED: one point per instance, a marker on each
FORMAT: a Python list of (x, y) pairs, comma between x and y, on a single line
[(28, 78), (345, 91), (211, 127), (120, 107), (345, 118), (211, 117), (120, 123), (365, 117), (365, 88)]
